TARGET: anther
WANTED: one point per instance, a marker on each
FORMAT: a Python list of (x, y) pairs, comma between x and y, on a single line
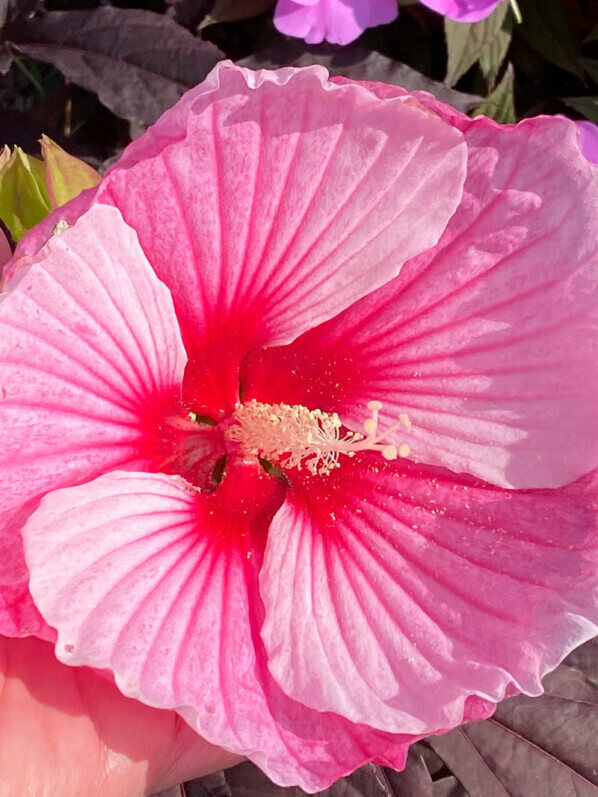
[(389, 452), (371, 426), (295, 435)]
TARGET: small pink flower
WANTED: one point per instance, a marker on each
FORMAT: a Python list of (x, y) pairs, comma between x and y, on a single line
[(198, 520), (337, 21), (463, 10)]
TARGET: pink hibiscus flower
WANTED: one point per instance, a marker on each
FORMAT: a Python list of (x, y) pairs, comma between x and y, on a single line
[(298, 425), (337, 21)]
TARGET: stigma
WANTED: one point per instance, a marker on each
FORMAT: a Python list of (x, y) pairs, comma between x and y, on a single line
[(295, 436)]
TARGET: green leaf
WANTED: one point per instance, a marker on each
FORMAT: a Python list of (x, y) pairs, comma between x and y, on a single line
[(548, 29), (465, 42), (232, 10), (592, 35), (495, 52), (586, 106), (66, 176), (500, 105), (23, 198), (591, 67)]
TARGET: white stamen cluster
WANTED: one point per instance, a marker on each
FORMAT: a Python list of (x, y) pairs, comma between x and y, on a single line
[(294, 436)]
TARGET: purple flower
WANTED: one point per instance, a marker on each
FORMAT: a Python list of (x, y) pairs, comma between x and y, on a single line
[(337, 21), (463, 10), (589, 140)]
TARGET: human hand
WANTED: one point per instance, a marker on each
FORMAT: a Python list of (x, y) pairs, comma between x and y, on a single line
[(68, 731)]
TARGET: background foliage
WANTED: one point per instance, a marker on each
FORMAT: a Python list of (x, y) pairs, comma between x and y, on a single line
[(93, 74)]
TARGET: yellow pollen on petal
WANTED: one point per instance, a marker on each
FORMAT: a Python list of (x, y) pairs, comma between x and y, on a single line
[(295, 436)]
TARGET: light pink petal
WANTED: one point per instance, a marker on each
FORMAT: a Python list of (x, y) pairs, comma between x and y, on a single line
[(90, 353), (145, 576), (463, 10), (337, 21), (282, 198), (488, 341), (393, 593)]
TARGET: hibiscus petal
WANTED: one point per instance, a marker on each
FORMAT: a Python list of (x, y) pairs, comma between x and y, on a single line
[(143, 575), (494, 382), (81, 376), (284, 198), (393, 593)]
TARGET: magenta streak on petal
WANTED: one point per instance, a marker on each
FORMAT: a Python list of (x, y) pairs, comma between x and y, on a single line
[(493, 384)]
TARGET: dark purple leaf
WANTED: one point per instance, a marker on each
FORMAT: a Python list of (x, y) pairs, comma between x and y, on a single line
[(189, 13), (246, 780), (544, 746), (434, 764), (11, 10), (585, 658), (5, 59), (448, 787), (415, 779), (360, 64), (210, 786), (570, 683), (465, 761), (137, 62)]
